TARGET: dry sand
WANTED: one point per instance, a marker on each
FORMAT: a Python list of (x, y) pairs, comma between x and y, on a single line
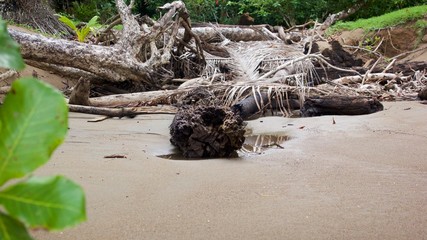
[(364, 177)]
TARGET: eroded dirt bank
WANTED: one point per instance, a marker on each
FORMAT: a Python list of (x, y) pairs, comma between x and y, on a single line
[(364, 177)]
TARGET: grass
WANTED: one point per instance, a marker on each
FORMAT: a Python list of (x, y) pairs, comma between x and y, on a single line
[(421, 24), (383, 21), (420, 28)]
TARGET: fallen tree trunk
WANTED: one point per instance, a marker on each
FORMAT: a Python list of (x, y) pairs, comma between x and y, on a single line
[(134, 57), (340, 105), (109, 63), (141, 98), (234, 33)]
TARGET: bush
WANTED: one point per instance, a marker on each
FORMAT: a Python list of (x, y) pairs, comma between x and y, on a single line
[(85, 10), (273, 12)]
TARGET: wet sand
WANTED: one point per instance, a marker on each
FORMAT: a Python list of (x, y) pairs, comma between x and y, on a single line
[(364, 177)]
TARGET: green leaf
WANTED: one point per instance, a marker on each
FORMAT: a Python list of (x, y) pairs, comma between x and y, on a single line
[(67, 22), (49, 202), (82, 34), (92, 22), (10, 56), (34, 121), (11, 229)]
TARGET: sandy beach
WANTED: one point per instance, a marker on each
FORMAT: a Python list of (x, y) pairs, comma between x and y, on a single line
[(364, 177)]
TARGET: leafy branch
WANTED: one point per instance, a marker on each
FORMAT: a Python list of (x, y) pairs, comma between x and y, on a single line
[(33, 123)]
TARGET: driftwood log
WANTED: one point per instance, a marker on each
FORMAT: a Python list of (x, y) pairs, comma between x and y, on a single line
[(136, 55), (340, 105), (123, 112), (235, 33)]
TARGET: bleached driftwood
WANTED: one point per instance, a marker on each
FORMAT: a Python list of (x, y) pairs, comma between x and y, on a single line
[(123, 112), (373, 77), (120, 62), (4, 90), (8, 74)]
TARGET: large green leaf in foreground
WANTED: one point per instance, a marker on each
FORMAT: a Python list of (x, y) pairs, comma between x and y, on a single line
[(48, 202), (10, 57), (33, 122), (11, 229)]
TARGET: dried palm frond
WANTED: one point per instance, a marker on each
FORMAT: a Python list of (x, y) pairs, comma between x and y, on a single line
[(268, 96), (287, 75), (215, 65), (252, 57)]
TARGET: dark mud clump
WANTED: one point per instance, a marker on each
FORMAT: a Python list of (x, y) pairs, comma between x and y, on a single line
[(339, 57), (204, 129)]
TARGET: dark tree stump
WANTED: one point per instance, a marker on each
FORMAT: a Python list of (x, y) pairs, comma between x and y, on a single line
[(80, 93), (246, 19), (202, 131), (203, 128), (339, 105), (423, 94)]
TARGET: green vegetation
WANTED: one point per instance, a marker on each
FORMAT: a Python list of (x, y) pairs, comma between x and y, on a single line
[(421, 24), (33, 123), (386, 20), (420, 28), (273, 12), (84, 10), (83, 32)]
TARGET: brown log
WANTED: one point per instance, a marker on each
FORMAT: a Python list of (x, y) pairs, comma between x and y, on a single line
[(340, 105), (423, 94), (80, 93)]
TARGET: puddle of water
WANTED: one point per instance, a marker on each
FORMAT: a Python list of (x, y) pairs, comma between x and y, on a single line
[(256, 144), (176, 155), (260, 143)]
